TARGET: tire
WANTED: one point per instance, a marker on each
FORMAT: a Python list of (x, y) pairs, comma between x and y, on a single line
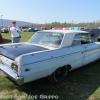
[(98, 60), (58, 75)]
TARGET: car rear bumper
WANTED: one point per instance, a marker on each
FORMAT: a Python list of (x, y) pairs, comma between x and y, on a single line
[(11, 74)]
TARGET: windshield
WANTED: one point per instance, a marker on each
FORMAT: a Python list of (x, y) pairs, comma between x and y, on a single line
[(53, 39)]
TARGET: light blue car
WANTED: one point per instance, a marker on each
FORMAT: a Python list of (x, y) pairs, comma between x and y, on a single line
[(75, 28), (49, 53)]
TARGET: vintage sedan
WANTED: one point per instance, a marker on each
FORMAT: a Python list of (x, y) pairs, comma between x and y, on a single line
[(49, 53)]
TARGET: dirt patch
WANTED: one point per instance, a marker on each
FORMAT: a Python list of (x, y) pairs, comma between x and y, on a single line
[(4, 92)]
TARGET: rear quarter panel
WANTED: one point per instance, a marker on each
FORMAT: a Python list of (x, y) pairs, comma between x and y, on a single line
[(42, 64)]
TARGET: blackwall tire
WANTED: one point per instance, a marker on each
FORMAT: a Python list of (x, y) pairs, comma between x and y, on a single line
[(58, 75)]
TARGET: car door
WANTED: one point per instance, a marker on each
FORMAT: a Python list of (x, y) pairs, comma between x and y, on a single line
[(91, 49), (78, 52)]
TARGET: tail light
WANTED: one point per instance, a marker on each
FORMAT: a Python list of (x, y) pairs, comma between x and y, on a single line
[(14, 67)]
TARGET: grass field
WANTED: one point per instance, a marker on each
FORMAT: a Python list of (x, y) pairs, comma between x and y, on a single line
[(25, 36), (81, 84)]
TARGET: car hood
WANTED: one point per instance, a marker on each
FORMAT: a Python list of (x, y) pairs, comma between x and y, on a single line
[(15, 50)]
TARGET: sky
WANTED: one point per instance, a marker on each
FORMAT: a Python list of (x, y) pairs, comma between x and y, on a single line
[(47, 11)]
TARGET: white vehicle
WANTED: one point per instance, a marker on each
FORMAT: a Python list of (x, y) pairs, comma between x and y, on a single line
[(49, 53), (68, 28)]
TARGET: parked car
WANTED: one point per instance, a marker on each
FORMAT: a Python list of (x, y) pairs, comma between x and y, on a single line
[(49, 53), (25, 29), (32, 29), (98, 39), (4, 30), (94, 33), (1, 40), (68, 28), (0, 30)]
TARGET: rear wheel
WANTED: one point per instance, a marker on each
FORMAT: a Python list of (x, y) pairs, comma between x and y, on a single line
[(58, 75)]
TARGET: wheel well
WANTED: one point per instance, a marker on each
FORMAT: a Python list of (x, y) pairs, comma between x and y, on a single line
[(69, 67)]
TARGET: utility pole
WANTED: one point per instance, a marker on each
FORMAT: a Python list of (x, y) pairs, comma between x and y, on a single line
[(2, 20)]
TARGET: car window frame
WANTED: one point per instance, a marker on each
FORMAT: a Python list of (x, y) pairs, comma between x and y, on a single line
[(90, 39)]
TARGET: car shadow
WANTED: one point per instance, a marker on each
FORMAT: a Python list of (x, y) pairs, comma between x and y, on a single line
[(80, 84)]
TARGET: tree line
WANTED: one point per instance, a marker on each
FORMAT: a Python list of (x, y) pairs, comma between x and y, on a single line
[(94, 24)]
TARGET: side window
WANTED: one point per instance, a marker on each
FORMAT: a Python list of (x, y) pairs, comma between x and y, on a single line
[(76, 40), (85, 39), (81, 38)]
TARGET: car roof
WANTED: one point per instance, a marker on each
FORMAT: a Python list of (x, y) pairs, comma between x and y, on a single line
[(64, 31), (69, 35)]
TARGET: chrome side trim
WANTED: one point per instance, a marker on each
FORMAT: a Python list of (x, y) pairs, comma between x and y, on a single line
[(62, 56)]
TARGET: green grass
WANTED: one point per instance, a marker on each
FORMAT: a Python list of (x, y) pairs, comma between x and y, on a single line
[(81, 84), (25, 36)]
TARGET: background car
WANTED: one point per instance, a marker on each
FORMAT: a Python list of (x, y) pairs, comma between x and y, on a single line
[(32, 30), (25, 29), (94, 33), (1, 40), (98, 39), (4, 30)]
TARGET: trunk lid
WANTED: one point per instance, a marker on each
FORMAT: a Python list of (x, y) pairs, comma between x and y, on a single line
[(15, 50)]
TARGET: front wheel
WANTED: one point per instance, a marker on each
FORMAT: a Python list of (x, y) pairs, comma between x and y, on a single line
[(58, 75)]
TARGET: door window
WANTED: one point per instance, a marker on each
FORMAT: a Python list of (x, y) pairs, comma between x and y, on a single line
[(81, 38)]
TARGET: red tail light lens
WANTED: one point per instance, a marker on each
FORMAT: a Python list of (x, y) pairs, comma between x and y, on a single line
[(14, 67)]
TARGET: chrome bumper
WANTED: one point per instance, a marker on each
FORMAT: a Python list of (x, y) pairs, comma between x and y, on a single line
[(11, 74)]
